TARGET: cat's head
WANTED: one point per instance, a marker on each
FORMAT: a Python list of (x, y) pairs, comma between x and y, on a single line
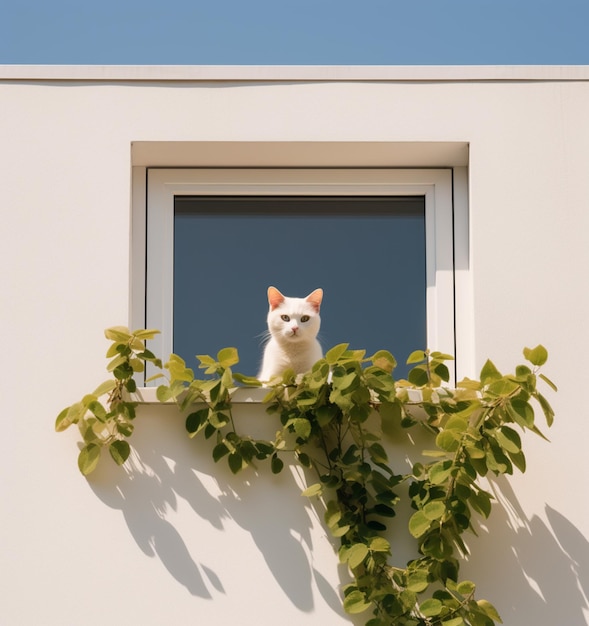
[(294, 320)]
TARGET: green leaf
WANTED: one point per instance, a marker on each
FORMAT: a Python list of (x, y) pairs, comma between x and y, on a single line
[(236, 462), (356, 554), (431, 607), (442, 371), (98, 410), (379, 544), (313, 490), (419, 524), (332, 514), (497, 462), (339, 531), (440, 472), (475, 451), (125, 428), (325, 414), (416, 357), (62, 421), (218, 420), (384, 510), (116, 362), (355, 603), (489, 373), (333, 356), (448, 440), (88, 458), (521, 412), (118, 333), (519, 460), (346, 382), (549, 382), (248, 381), (441, 356), (146, 333), (378, 453), (219, 451), (119, 451), (123, 371), (351, 455), (466, 588), (304, 459), (206, 361), (136, 365), (163, 393), (276, 464), (136, 344), (106, 387), (154, 377), (536, 356), (538, 432), (467, 383), (355, 355), (228, 357), (434, 510), (418, 376), (489, 610), (302, 427), (227, 378), (417, 581), (453, 621), (509, 439), (147, 355), (178, 370), (115, 349), (385, 360), (546, 409), (503, 387), (481, 502), (195, 421)]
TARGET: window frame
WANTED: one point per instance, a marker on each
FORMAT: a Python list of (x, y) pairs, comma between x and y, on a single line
[(153, 236)]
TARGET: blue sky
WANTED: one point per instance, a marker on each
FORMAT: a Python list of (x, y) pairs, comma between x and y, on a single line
[(275, 32)]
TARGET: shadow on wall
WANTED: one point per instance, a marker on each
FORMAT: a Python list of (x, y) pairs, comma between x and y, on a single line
[(148, 490), (169, 470), (536, 572)]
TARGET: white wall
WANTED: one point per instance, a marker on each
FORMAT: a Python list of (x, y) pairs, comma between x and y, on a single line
[(173, 538)]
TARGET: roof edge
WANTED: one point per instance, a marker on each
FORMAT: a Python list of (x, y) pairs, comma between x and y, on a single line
[(270, 73)]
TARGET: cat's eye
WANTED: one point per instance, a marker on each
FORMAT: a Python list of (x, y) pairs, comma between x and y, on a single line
[(285, 318), (305, 318)]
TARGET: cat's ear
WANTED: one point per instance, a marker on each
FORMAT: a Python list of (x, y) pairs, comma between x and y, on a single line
[(275, 298), (315, 299)]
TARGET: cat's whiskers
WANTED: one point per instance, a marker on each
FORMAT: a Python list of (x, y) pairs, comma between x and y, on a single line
[(291, 338)]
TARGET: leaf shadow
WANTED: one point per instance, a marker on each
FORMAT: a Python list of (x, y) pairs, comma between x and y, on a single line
[(536, 570), (167, 470), (147, 489)]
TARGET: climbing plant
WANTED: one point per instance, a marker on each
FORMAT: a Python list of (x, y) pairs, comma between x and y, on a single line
[(334, 420)]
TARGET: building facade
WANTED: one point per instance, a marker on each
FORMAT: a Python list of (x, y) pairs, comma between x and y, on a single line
[(90, 155)]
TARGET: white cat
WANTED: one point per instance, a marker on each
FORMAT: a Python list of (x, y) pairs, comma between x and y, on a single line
[(293, 324)]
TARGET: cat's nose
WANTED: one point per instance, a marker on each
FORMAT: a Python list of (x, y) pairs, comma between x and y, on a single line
[(294, 329)]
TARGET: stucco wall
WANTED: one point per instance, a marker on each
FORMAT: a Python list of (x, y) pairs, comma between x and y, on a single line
[(172, 538)]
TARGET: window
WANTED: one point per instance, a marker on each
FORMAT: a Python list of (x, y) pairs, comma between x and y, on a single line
[(379, 242)]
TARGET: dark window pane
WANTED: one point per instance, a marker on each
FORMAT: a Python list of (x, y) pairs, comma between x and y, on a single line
[(367, 253)]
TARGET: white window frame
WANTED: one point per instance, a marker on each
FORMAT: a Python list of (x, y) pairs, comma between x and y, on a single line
[(164, 184)]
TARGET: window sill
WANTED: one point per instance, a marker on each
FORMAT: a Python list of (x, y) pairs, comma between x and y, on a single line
[(241, 395), (256, 395)]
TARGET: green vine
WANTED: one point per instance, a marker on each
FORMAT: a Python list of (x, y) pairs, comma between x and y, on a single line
[(332, 420)]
